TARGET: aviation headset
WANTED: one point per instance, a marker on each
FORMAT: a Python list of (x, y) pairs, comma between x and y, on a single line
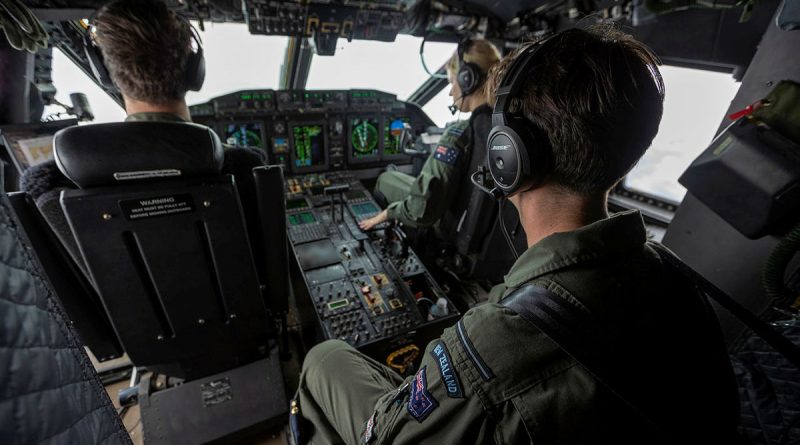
[(469, 76), (515, 154), (195, 64)]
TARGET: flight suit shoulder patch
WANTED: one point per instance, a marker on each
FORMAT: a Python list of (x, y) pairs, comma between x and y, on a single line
[(453, 142), (446, 370), (447, 154), (421, 403)]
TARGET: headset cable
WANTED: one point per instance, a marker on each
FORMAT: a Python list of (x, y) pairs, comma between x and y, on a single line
[(501, 207)]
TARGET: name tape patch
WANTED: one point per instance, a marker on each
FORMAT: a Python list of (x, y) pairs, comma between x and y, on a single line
[(448, 155), (456, 130), (136, 209), (445, 364), (421, 403)]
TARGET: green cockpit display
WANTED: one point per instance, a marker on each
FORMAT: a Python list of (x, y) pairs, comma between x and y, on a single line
[(364, 137), (244, 134), (298, 219), (309, 145), (338, 304), (297, 203)]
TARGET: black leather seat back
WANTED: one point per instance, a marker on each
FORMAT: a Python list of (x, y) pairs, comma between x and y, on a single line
[(172, 264), (169, 255)]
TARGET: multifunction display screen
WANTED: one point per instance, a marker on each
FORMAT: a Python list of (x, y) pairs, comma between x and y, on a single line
[(244, 134), (309, 146), (364, 209), (391, 135), (298, 219), (297, 203), (364, 138)]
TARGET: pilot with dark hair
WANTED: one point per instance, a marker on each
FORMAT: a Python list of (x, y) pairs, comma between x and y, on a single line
[(423, 200), (588, 105), (145, 49)]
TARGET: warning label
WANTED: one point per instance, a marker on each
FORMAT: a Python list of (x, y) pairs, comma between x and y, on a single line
[(216, 392), (136, 209)]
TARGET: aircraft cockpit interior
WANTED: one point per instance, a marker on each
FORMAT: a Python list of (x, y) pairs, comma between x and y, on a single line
[(165, 272)]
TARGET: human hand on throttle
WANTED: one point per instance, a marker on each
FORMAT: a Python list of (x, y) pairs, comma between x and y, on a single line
[(369, 223)]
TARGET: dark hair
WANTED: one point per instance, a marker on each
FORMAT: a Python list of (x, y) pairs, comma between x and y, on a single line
[(145, 46), (597, 96)]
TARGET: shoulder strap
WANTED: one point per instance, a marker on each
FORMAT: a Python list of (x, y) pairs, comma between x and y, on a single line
[(575, 332), (781, 344)]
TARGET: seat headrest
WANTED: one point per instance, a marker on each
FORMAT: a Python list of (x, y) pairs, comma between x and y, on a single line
[(116, 153)]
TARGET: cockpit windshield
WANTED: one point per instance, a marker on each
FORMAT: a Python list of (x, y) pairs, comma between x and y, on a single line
[(237, 60), (393, 67)]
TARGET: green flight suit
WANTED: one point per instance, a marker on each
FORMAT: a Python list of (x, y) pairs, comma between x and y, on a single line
[(495, 378), (421, 201)]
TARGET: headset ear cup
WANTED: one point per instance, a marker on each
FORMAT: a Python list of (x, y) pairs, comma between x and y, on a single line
[(196, 63), (507, 158), (465, 80), (469, 78), (195, 70)]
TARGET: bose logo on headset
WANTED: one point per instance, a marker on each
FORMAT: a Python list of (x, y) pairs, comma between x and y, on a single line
[(500, 147)]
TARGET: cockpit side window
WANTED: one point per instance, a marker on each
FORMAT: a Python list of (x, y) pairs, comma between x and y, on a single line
[(695, 102), (68, 78)]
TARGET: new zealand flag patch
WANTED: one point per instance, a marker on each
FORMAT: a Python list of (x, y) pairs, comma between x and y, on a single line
[(449, 377), (448, 155), (421, 403)]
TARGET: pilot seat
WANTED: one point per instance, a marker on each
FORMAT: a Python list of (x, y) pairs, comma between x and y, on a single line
[(163, 239)]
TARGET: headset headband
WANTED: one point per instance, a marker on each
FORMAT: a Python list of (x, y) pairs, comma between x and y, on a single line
[(462, 48), (195, 63), (195, 34), (512, 82)]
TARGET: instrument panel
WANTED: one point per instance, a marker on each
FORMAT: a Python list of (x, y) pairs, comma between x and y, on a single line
[(312, 131), (369, 289)]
